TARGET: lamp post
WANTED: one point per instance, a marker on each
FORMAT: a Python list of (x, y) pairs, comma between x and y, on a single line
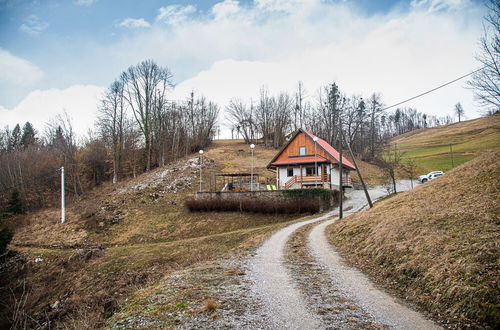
[(201, 159), (252, 146), (315, 139)]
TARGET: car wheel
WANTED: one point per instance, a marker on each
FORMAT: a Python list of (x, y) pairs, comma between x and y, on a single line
[(424, 180)]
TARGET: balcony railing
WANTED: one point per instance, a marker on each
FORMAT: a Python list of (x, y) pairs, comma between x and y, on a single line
[(315, 179)]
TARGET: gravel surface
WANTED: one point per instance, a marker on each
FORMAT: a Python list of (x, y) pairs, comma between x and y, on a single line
[(283, 305), (354, 284), (322, 296), (286, 304)]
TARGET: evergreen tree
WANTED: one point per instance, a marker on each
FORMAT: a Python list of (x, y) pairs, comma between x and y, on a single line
[(15, 204), (5, 237), (29, 135), (15, 138)]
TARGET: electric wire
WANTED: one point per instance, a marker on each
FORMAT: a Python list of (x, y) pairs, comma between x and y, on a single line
[(435, 88)]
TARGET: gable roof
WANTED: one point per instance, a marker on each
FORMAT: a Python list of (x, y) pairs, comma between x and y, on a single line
[(330, 151), (301, 160)]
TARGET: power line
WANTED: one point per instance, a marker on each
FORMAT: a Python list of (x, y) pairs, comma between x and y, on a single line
[(436, 88)]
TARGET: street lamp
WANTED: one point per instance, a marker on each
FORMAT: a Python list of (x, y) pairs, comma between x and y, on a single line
[(201, 159), (252, 146), (315, 139)]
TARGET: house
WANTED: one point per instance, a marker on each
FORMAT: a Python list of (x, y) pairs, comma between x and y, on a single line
[(304, 163)]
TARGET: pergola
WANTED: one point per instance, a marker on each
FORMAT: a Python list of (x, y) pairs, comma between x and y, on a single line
[(238, 179)]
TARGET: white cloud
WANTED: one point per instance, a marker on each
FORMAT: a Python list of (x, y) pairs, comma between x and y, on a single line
[(397, 54), (134, 23), (225, 8), (85, 2), (33, 25), (79, 101), (174, 14), (15, 71), (233, 49)]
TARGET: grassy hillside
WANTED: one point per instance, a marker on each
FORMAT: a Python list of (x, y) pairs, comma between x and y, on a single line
[(436, 245), (119, 239), (430, 148)]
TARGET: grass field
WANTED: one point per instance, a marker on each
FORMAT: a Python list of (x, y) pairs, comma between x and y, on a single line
[(435, 245), (430, 148)]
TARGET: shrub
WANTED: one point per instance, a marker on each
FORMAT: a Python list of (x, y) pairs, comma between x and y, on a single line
[(5, 237), (15, 204), (324, 194), (290, 206)]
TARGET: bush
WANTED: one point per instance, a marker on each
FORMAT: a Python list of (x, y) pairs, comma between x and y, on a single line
[(291, 206), (15, 204), (324, 194), (5, 237)]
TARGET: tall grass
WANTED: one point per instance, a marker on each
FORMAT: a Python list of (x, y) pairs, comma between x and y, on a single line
[(290, 206)]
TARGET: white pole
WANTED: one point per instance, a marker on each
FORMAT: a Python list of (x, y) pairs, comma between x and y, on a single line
[(315, 139), (252, 146), (63, 210), (201, 160)]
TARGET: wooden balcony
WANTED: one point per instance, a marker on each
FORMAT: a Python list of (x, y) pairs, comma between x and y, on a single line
[(315, 179)]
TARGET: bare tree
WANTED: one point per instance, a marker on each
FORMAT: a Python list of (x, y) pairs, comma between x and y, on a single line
[(459, 111), (143, 84), (242, 117), (390, 162), (59, 133), (111, 123), (486, 82)]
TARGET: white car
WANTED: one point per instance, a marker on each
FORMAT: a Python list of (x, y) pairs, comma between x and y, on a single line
[(427, 177), (435, 175)]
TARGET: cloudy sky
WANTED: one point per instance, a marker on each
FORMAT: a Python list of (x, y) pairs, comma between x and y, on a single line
[(62, 54)]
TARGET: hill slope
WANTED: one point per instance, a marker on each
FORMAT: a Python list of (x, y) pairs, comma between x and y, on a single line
[(431, 147), (118, 239), (437, 245)]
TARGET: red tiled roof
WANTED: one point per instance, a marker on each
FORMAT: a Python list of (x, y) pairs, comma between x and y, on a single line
[(300, 160), (329, 149)]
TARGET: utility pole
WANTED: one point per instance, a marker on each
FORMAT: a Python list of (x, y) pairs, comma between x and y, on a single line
[(341, 214), (63, 209), (201, 161), (359, 174), (451, 152), (252, 146), (315, 139)]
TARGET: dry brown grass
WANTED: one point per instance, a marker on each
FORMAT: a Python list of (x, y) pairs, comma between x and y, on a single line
[(210, 305), (372, 174), (436, 245), (235, 156), (154, 235)]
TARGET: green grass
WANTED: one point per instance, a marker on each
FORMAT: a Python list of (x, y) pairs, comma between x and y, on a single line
[(430, 148)]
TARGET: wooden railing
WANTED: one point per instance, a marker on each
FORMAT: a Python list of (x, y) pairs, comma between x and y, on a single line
[(307, 179), (291, 182)]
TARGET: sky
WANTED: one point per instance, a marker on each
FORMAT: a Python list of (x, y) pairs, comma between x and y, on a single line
[(61, 55)]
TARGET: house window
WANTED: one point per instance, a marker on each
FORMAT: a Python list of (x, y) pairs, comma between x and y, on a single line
[(289, 171), (310, 171), (302, 151)]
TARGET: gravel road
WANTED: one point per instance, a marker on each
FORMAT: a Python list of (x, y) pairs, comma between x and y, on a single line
[(283, 305), (356, 286)]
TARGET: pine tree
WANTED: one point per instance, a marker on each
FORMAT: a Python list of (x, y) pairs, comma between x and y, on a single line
[(5, 237), (29, 135), (15, 138), (15, 204)]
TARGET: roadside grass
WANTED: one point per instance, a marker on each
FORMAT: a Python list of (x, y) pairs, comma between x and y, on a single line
[(431, 147), (436, 245)]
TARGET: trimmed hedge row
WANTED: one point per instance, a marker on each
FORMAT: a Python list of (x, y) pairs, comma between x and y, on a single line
[(292, 206), (322, 193)]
